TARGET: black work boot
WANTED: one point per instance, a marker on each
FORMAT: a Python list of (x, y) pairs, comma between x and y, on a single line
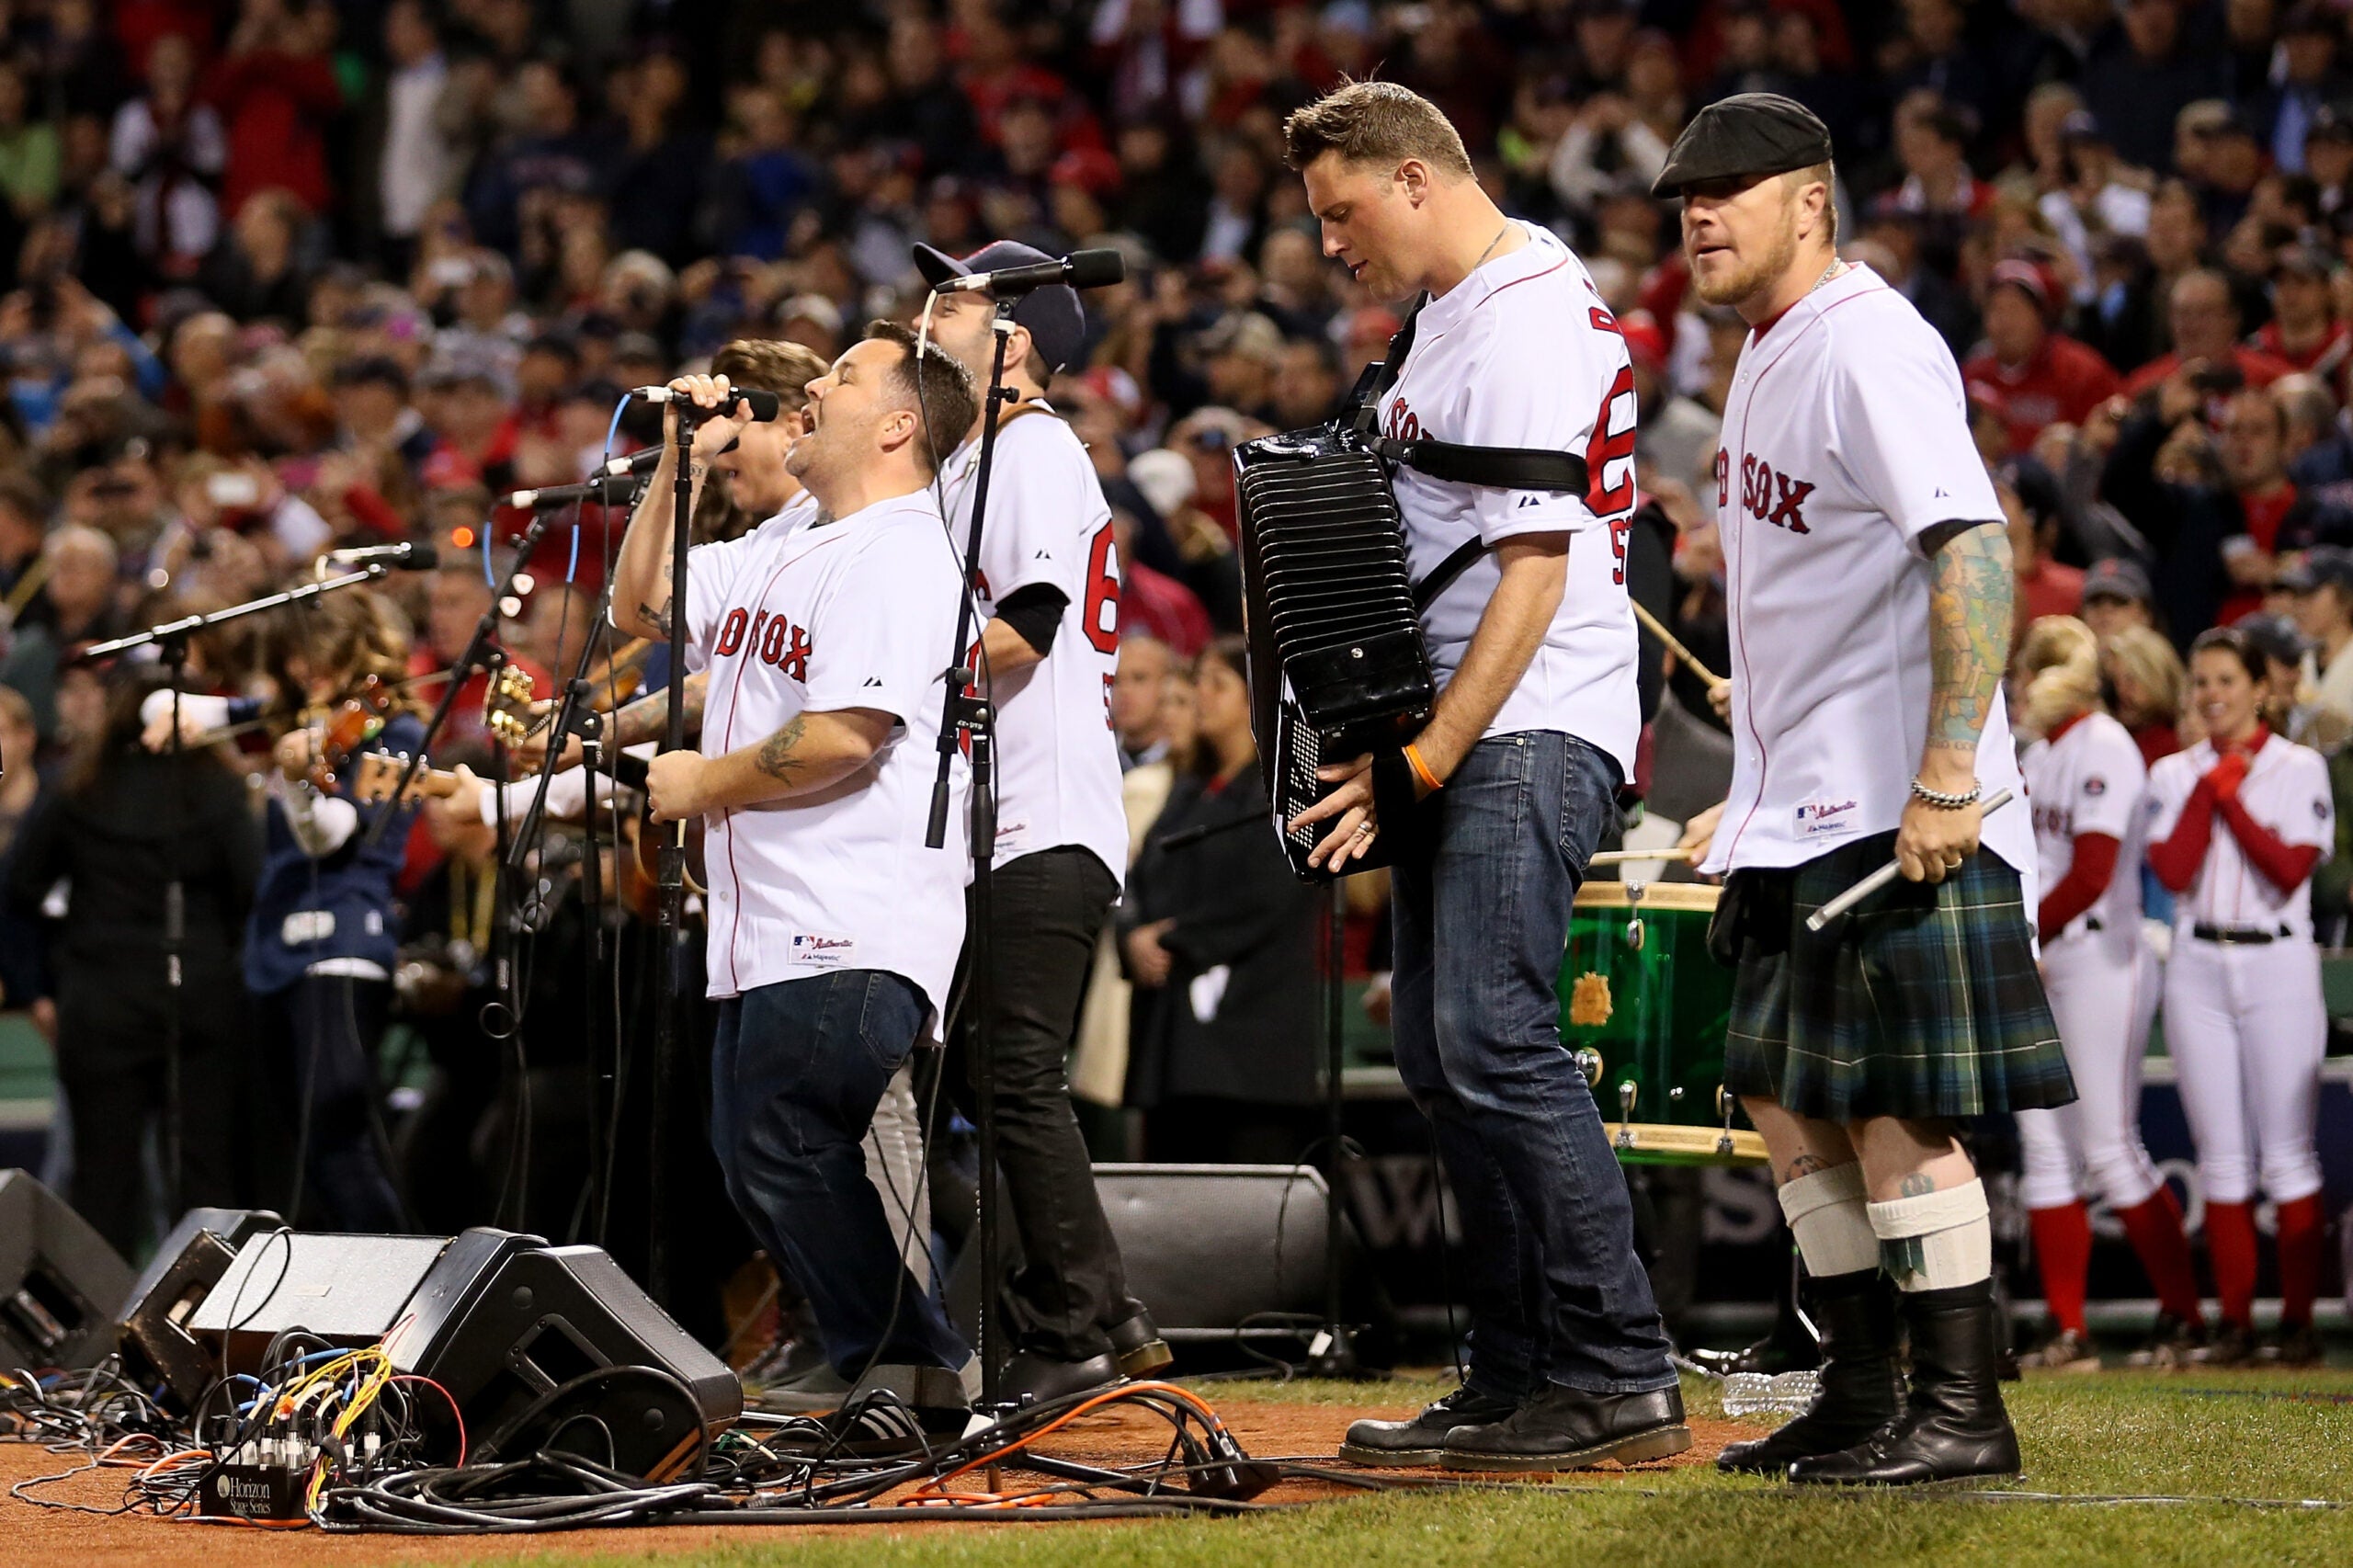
[(1862, 1385), (1399, 1445), (1953, 1426), (1137, 1343), (1566, 1428)]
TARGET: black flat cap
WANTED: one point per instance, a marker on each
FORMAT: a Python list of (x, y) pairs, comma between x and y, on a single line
[(1745, 136), (1056, 320)]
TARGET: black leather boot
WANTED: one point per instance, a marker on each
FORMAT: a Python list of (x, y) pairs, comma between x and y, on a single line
[(1566, 1428), (1953, 1427), (1419, 1441), (1863, 1385)]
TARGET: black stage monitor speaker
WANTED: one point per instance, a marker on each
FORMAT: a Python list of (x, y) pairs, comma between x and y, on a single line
[(59, 1282), (348, 1290), (1207, 1247), (154, 1318), (557, 1346)]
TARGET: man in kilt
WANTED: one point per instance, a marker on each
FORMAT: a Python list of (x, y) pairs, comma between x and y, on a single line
[(1869, 585)]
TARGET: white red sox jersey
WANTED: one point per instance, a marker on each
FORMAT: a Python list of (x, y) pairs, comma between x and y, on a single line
[(794, 619), (1522, 353), (1057, 759), (2286, 789), (2090, 778), (1846, 438)]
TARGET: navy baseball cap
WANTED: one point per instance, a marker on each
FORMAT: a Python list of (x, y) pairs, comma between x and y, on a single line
[(2118, 578), (2321, 565), (1056, 322)]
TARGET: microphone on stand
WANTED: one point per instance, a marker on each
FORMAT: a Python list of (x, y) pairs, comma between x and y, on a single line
[(764, 406), (411, 557), (1080, 269), (615, 483)]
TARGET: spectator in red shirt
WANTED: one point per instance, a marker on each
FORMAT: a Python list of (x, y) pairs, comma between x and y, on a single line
[(2045, 377), (2253, 448), (276, 90), (2303, 330), (2046, 586), (2205, 321)]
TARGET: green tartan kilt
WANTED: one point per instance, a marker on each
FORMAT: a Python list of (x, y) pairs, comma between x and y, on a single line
[(1924, 1002)]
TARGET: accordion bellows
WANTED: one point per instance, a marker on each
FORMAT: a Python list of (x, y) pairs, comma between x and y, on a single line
[(1337, 663)]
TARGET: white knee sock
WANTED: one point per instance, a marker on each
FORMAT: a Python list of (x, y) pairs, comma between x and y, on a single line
[(1826, 1214), (1936, 1241)]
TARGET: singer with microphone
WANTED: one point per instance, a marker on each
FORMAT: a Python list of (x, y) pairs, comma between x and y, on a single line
[(1048, 583), (833, 928)]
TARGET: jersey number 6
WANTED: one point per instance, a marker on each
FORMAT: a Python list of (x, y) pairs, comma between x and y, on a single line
[(1102, 595)]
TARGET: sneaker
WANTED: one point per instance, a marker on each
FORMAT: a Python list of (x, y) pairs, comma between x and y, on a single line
[(2173, 1343), (2296, 1345), (1422, 1440), (811, 1390), (2066, 1351), (2232, 1345), (877, 1428)]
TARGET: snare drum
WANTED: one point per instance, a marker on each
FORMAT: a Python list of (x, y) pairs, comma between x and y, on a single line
[(1645, 1008)]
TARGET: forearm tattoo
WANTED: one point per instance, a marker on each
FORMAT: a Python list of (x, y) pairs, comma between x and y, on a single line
[(1968, 630), (648, 718), (779, 755)]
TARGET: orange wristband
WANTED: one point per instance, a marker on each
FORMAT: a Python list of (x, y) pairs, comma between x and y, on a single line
[(1422, 769)]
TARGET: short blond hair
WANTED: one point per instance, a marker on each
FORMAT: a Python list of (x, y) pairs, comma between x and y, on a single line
[(773, 364), (1827, 173), (1375, 122)]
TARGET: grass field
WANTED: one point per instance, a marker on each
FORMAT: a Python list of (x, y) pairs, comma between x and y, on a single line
[(2238, 1442)]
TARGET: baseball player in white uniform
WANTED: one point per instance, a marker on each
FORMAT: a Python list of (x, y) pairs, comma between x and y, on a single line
[(1869, 587), (2238, 822), (1532, 735), (833, 927), (1050, 584), (2087, 786)]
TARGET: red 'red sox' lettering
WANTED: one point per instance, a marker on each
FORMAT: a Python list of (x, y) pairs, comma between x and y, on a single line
[(772, 640), (1770, 497)]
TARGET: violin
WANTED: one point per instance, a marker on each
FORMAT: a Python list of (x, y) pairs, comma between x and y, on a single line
[(348, 727)]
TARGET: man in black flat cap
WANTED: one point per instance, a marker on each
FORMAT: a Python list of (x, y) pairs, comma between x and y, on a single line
[(1868, 563), (1049, 585)]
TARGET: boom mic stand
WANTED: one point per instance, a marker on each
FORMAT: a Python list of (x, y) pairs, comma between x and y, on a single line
[(670, 922), (969, 714), (171, 638)]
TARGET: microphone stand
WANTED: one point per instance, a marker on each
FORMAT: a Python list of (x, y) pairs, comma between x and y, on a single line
[(170, 638), (969, 715), (574, 715), (670, 999)]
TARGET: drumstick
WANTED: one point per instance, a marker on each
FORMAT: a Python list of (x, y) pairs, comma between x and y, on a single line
[(1650, 623), (1884, 874), (1624, 856)]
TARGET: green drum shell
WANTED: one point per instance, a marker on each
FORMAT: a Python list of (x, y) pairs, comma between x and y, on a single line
[(1670, 1006)]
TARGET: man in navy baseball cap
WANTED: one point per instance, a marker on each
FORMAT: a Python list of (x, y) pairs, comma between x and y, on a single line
[(1052, 316)]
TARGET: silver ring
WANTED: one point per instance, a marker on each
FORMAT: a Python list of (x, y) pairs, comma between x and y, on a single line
[(1364, 829)]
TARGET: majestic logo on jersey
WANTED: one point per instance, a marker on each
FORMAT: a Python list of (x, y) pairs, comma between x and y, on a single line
[(1775, 498), (771, 638)]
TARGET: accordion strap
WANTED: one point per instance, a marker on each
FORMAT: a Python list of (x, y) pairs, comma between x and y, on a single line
[(1504, 468)]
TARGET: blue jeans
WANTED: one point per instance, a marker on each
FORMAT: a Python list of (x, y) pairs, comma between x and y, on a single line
[(1481, 922), (796, 1071)]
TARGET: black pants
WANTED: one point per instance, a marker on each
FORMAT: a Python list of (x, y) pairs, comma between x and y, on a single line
[(322, 1033), (112, 1111), (1049, 908)]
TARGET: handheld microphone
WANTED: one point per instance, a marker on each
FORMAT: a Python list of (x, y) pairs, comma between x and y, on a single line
[(599, 485), (1080, 269), (763, 405), (411, 557)]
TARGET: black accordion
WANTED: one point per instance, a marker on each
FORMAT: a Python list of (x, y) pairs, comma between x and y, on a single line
[(1338, 667)]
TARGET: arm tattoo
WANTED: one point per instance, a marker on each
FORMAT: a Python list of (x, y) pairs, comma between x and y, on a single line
[(777, 756), (1969, 629), (657, 619), (1917, 1184), (648, 717)]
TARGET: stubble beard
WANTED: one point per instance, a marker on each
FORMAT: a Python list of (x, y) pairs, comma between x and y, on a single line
[(1759, 277)]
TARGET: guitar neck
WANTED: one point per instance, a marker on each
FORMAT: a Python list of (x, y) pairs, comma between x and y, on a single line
[(376, 774)]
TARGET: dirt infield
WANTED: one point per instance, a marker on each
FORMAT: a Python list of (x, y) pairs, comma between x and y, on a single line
[(31, 1534)]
